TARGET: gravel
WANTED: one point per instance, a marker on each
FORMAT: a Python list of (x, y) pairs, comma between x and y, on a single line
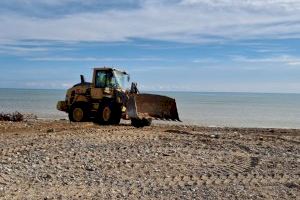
[(62, 160)]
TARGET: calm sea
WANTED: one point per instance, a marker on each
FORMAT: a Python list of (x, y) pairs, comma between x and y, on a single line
[(199, 108)]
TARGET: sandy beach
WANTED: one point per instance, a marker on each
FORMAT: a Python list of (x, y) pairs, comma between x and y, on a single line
[(62, 160)]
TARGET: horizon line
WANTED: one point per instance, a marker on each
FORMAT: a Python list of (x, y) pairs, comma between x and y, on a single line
[(249, 92)]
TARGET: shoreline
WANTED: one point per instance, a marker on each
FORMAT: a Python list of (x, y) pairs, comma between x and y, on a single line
[(167, 123)]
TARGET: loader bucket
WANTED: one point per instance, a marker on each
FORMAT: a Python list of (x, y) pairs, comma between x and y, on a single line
[(152, 106)]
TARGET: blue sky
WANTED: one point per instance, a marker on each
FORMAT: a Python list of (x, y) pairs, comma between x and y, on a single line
[(174, 45)]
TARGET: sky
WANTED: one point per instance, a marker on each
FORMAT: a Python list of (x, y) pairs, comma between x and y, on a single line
[(166, 45)]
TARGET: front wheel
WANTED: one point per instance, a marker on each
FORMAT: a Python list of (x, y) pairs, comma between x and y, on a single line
[(78, 113), (109, 113)]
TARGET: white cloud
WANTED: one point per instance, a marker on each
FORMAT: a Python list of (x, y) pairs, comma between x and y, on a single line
[(104, 59), (282, 59), (188, 21), (63, 2), (45, 84), (17, 51), (206, 60), (242, 4)]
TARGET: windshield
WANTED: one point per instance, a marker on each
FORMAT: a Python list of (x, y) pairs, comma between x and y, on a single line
[(121, 79)]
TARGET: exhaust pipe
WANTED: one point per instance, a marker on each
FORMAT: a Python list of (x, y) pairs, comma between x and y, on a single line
[(82, 79)]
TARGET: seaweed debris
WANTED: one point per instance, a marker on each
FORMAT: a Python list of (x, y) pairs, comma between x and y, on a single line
[(14, 117)]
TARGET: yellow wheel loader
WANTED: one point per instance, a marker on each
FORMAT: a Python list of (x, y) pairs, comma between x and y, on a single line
[(106, 101)]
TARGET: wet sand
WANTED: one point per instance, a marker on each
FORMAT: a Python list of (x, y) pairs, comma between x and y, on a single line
[(62, 160)]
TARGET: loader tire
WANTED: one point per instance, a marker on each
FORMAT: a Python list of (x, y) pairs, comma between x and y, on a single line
[(117, 114), (105, 116), (109, 114), (78, 112)]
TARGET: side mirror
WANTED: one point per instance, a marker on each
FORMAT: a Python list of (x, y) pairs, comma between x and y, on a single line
[(134, 89)]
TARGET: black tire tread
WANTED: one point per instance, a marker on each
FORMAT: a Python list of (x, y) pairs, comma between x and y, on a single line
[(84, 107)]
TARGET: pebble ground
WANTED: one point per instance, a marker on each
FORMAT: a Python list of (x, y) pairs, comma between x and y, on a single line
[(61, 160)]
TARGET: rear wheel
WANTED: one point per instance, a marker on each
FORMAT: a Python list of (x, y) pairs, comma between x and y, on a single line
[(78, 113)]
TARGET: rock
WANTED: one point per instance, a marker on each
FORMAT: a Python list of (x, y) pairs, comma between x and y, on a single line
[(51, 130), (215, 136), (126, 161), (89, 168), (47, 177)]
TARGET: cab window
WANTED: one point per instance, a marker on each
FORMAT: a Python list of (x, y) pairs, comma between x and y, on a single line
[(105, 79), (100, 79)]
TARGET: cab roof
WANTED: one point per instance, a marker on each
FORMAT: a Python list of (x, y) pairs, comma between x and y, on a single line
[(109, 68)]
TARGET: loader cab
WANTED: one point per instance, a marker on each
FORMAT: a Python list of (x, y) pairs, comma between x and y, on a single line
[(110, 78)]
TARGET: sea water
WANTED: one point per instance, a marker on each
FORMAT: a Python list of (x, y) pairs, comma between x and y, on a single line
[(239, 109), (39, 102), (195, 108)]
